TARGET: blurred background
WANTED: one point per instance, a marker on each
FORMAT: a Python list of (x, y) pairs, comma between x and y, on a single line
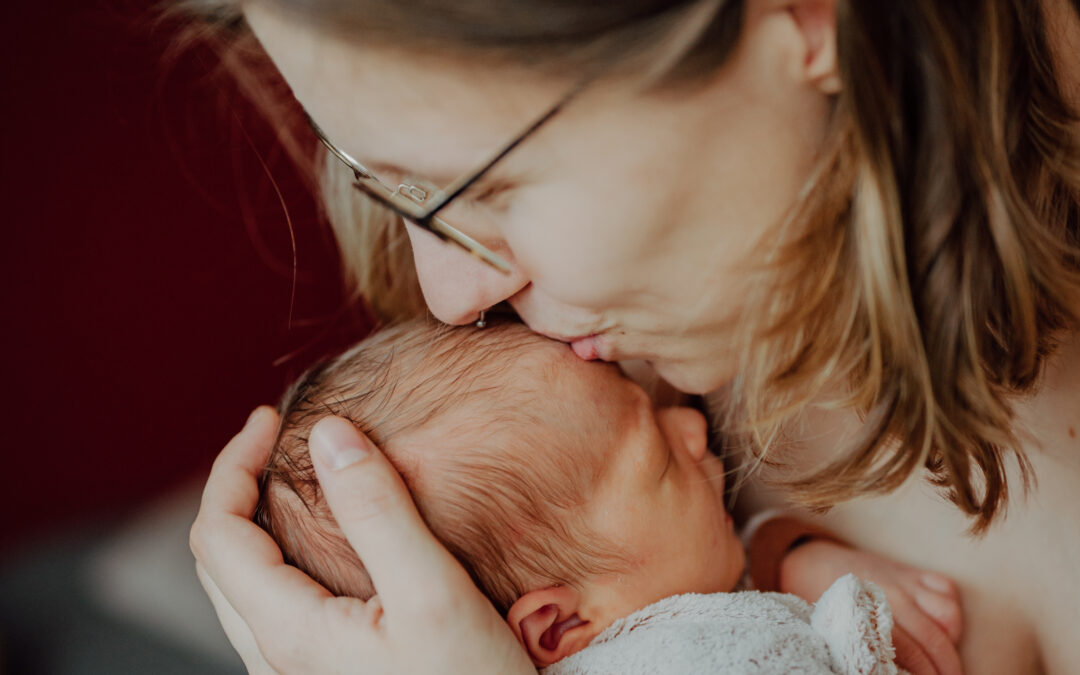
[(149, 302)]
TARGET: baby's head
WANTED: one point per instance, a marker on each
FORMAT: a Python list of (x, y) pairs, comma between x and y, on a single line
[(569, 499)]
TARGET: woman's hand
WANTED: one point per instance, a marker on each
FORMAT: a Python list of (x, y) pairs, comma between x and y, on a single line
[(925, 605), (428, 616)]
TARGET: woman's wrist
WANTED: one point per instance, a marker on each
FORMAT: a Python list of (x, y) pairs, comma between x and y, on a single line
[(772, 540)]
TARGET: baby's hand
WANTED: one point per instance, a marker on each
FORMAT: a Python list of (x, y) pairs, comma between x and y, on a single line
[(925, 605)]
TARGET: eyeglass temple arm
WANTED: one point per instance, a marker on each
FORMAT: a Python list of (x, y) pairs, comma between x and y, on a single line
[(343, 156), (441, 229), (462, 184), (428, 221)]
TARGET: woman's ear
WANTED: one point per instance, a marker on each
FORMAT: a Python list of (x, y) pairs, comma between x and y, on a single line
[(547, 624), (816, 20)]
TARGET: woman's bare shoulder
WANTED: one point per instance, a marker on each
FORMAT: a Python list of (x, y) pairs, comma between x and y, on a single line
[(1019, 589)]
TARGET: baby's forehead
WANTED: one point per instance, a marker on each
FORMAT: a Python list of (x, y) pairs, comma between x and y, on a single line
[(511, 388), (464, 382), (544, 377), (502, 359), (510, 376)]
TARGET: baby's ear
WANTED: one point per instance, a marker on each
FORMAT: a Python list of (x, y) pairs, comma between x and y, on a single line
[(547, 624)]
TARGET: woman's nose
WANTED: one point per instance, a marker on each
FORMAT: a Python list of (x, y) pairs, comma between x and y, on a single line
[(456, 285)]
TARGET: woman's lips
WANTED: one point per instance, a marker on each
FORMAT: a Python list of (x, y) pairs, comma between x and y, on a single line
[(594, 347), (587, 348)]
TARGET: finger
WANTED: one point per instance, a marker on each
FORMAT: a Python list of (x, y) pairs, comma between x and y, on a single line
[(287, 612), (910, 655), (235, 628), (943, 610), (242, 561), (931, 638), (233, 483), (938, 597), (232, 491), (372, 506)]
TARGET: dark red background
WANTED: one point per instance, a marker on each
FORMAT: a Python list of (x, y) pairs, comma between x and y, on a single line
[(146, 264)]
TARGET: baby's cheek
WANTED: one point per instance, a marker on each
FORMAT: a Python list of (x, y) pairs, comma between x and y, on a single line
[(725, 557), (736, 556)]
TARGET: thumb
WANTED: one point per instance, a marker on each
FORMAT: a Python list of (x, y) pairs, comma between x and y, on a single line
[(371, 504)]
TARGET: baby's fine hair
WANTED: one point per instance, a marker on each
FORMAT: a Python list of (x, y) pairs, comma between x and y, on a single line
[(507, 508)]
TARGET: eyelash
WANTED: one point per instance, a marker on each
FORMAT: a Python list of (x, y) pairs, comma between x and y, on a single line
[(487, 193), (484, 193)]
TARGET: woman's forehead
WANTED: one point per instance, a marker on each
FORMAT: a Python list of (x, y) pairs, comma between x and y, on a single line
[(435, 116)]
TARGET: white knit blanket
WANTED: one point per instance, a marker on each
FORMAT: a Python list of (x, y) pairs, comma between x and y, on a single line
[(849, 631)]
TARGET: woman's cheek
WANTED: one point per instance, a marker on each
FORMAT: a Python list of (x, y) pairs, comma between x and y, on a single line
[(578, 253)]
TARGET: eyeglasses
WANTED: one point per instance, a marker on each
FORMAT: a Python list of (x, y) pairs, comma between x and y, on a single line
[(420, 204)]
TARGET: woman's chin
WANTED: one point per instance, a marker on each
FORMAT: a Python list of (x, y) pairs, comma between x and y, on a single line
[(690, 377)]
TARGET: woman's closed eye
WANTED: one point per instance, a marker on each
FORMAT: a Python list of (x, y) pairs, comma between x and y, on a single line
[(488, 191), (490, 194)]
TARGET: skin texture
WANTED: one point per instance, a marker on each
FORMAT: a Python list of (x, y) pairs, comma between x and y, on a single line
[(590, 256), (463, 632), (810, 569), (617, 215), (1018, 582), (656, 496), (662, 499)]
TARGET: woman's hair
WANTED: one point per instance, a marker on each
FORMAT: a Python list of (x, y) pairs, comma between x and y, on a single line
[(928, 266)]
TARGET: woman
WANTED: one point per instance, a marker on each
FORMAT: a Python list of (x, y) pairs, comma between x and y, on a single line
[(855, 225)]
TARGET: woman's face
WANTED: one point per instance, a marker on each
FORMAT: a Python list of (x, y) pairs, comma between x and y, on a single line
[(631, 221)]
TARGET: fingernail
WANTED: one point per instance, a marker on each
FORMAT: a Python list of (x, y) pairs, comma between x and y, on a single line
[(936, 582), (337, 444), (928, 602), (343, 457)]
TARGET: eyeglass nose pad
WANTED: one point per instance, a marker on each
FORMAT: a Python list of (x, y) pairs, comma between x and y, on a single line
[(417, 194)]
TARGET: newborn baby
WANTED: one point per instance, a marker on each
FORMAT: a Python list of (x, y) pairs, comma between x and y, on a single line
[(576, 507)]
